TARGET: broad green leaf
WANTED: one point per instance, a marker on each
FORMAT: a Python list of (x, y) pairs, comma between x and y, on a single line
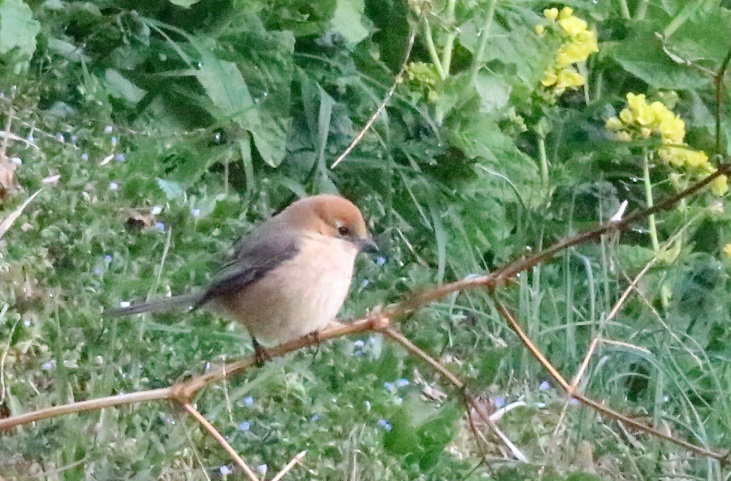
[(348, 20), (266, 60), (120, 86), (493, 90), (712, 46), (172, 190), (643, 55), (18, 28)]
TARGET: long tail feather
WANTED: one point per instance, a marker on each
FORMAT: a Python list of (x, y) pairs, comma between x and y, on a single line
[(166, 304)]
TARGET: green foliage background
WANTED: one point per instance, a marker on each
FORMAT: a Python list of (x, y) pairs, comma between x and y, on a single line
[(175, 126)]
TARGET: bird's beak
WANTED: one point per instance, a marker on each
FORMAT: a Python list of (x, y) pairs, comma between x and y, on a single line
[(367, 244)]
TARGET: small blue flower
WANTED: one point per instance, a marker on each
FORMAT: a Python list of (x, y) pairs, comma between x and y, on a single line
[(120, 157), (84, 156), (364, 283), (160, 226), (30, 138), (573, 401), (108, 259), (60, 138), (248, 401), (315, 417), (156, 209), (385, 424), (114, 141), (402, 382), (262, 468), (108, 129), (195, 212), (380, 260), (74, 138), (225, 470), (98, 270), (113, 186), (47, 366), (545, 386), (499, 402), (359, 344), (244, 426), (388, 386)]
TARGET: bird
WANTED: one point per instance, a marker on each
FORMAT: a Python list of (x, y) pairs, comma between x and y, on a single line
[(288, 278)]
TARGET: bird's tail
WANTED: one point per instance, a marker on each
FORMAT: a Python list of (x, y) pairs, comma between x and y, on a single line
[(166, 304)]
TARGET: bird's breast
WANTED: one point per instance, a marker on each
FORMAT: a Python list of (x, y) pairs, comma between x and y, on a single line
[(299, 296)]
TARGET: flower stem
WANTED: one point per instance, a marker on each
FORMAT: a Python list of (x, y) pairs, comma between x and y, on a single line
[(433, 49), (641, 10), (449, 43), (650, 203), (543, 158), (484, 35), (625, 9)]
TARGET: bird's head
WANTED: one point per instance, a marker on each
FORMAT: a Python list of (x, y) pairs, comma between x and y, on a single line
[(330, 215)]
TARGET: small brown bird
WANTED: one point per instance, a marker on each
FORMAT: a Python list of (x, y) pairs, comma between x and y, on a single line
[(288, 278)]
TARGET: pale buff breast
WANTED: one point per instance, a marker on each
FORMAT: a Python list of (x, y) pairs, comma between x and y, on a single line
[(300, 296)]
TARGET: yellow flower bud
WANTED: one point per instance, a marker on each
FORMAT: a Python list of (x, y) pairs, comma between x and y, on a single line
[(613, 123), (727, 250), (627, 116), (624, 136), (645, 132), (719, 187), (566, 12), (540, 29), (551, 13)]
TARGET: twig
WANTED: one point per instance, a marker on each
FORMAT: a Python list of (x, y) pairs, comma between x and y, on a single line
[(382, 105), (295, 460), (221, 440), (10, 219)]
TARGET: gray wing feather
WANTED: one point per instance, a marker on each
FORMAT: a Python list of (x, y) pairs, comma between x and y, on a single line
[(257, 255)]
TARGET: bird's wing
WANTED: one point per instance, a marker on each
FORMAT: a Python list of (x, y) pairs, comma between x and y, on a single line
[(257, 255)]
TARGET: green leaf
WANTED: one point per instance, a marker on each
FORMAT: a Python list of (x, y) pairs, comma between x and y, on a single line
[(172, 190), (18, 29), (119, 86), (643, 56), (708, 49), (493, 90), (348, 21)]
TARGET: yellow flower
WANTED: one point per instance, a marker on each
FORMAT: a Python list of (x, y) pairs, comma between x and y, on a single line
[(540, 29), (551, 13), (569, 79), (566, 12), (645, 132), (727, 250), (624, 136), (672, 129), (573, 25), (549, 78), (571, 53)]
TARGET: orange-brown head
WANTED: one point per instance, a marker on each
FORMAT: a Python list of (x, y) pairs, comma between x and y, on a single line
[(328, 215)]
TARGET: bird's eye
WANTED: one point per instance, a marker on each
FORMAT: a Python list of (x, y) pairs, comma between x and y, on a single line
[(343, 231)]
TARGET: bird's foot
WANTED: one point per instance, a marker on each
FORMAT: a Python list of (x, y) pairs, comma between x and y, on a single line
[(260, 354)]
